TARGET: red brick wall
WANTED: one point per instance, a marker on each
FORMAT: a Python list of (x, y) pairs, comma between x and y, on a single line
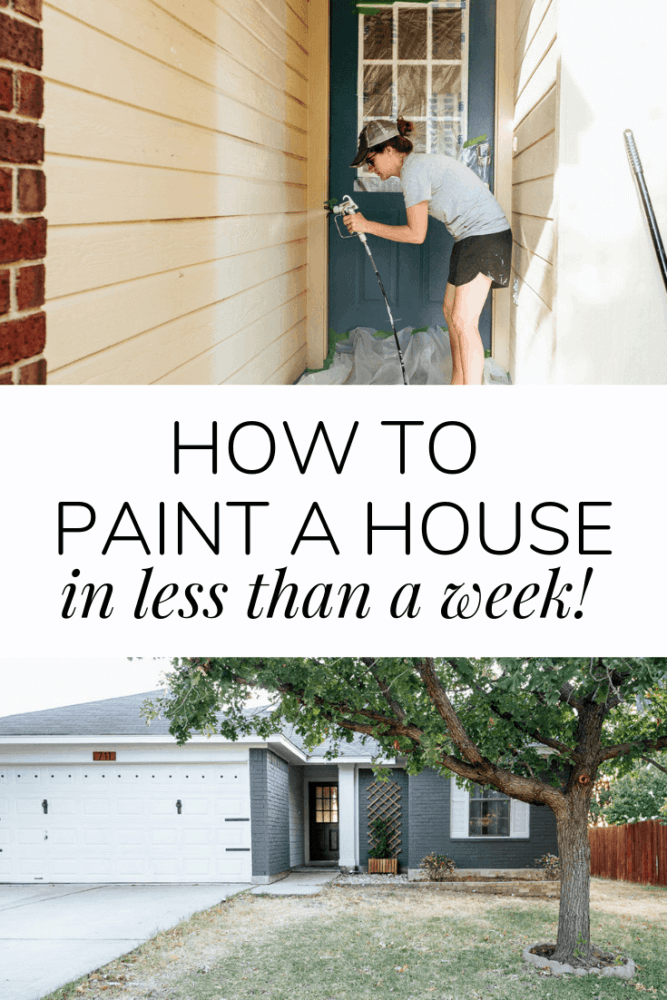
[(22, 195)]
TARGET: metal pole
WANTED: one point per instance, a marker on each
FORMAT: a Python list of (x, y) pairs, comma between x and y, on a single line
[(636, 164)]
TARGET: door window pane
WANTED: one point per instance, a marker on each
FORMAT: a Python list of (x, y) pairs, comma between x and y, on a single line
[(377, 35), (412, 93), (447, 30), (412, 33), (446, 98), (377, 92)]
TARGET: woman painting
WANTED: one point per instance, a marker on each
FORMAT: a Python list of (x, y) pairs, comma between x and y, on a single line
[(438, 185)]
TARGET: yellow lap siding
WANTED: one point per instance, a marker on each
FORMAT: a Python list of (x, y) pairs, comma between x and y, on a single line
[(177, 144), (225, 360), (88, 191), (115, 253), (535, 234), (536, 111), (538, 124), (85, 125), (285, 358), (538, 160), (119, 312)]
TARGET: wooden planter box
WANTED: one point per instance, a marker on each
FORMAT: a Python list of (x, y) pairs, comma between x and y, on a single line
[(383, 866)]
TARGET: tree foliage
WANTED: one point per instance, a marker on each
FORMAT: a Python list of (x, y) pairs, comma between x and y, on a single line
[(639, 795), (512, 711)]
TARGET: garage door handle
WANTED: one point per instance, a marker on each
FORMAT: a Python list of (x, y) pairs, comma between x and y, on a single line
[(45, 805), (179, 806)]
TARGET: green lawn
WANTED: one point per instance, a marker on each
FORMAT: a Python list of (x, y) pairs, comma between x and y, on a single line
[(349, 944), (386, 946)]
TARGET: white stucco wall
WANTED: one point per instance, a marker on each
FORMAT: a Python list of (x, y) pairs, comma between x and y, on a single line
[(611, 305)]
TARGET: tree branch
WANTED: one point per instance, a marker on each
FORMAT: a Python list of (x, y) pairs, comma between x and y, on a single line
[(438, 696), (649, 760), (610, 753), (384, 688)]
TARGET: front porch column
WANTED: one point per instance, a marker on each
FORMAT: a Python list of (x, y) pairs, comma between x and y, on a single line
[(348, 816)]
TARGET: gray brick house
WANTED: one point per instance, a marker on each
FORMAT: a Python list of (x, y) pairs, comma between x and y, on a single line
[(90, 793)]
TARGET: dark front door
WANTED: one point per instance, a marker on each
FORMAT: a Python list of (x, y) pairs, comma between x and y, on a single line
[(324, 822), (434, 64)]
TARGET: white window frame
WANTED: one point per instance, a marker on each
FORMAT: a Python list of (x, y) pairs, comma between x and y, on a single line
[(459, 817), (462, 112)]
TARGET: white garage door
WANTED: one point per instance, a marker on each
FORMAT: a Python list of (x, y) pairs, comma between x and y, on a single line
[(125, 823)]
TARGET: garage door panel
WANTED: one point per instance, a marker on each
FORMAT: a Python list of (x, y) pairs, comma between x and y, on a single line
[(163, 838), (200, 837), (232, 838), (32, 866), (229, 869), (129, 807), (29, 807), (122, 823), (232, 805), (95, 807), (31, 837), (62, 807), (130, 836), (166, 866), (63, 836), (97, 866), (134, 867), (96, 836), (195, 806), (65, 866)]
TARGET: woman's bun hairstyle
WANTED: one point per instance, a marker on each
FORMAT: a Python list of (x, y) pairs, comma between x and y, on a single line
[(399, 142)]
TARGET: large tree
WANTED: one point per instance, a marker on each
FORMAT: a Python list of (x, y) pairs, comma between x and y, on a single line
[(537, 728)]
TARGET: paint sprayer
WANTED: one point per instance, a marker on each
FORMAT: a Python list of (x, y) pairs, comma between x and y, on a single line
[(349, 207)]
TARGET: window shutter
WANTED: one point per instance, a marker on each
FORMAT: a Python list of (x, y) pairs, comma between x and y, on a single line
[(458, 811), (519, 819)]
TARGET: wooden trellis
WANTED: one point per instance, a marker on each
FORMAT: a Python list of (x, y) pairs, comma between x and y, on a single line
[(384, 802)]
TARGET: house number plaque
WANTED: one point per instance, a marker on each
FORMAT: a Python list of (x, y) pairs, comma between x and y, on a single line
[(104, 754)]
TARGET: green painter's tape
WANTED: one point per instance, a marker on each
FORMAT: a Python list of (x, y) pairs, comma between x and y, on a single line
[(473, 142)]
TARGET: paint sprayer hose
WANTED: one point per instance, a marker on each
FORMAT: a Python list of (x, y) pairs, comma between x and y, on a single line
[(391, 318)]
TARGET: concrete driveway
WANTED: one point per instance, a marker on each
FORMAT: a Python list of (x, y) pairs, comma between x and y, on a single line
[(52, 934)]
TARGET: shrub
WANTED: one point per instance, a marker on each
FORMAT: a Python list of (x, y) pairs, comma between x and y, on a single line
[(550, 865), (438, 867), (383, 831)]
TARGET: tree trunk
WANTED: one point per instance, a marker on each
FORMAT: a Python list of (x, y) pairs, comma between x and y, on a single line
[(574, 931)]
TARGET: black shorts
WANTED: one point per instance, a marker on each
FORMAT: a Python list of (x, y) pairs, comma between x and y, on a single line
[(490, 255)]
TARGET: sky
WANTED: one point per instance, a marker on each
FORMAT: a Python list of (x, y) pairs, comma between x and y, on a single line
[(28, 685)]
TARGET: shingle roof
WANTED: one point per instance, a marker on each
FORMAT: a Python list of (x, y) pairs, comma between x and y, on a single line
[(122, 717), (110, 717)]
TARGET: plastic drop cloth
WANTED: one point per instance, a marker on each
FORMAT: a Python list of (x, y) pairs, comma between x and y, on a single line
[(366, 359)]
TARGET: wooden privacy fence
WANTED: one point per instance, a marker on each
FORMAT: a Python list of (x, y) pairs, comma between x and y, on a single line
[(635, 852)]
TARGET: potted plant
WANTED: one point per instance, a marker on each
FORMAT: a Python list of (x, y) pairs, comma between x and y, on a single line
[(380, 860)]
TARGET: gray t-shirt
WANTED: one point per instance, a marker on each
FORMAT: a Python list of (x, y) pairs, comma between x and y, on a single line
[(455, 195)]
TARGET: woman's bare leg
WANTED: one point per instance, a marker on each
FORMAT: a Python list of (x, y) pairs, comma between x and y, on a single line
[(468, 303), (448, 309)]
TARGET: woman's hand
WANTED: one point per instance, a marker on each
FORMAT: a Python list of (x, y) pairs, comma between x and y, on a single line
[(356, 223)]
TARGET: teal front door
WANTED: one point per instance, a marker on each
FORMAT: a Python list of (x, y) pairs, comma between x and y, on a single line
[(434, 63)]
